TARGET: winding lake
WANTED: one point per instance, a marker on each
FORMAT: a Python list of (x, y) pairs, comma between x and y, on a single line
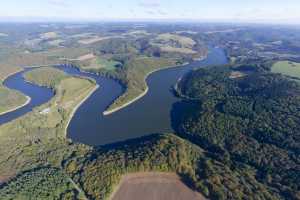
[(39, 95), (150, 114)]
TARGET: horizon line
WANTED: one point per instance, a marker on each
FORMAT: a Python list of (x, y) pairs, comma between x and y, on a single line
[(52, 19)]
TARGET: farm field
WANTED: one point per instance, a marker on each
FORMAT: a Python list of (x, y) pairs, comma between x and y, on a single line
[(158, 186), (287, 68), (15, 61), (98, 63)]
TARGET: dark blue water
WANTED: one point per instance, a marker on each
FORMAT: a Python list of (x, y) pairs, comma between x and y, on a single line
[(150, 114), (39, 95)]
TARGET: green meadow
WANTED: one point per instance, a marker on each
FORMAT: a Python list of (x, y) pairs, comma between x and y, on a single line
[(288, 68)]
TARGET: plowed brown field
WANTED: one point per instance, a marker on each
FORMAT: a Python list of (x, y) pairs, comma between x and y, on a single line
[(154, 186)]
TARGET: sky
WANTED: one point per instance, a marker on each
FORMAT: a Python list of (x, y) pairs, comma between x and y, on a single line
[(202, 10)]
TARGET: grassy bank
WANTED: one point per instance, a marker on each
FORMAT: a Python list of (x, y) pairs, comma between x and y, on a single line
[(134, 79), (11, 100), (45, 76), (16, 60)]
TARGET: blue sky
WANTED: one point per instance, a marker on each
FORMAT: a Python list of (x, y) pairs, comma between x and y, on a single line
[(228, 10)]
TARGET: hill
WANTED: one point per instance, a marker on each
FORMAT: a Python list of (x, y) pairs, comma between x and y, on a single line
[(252, 121)]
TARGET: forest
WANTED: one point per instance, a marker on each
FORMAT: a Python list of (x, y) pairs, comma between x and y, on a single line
[(252, 120)]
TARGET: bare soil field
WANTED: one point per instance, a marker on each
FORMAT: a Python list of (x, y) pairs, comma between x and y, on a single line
[(49, 35), (4, 179), (236, 74), (177, 50), (86, 57), (96, 39), (56, 42), (154, 186), (184, 41)]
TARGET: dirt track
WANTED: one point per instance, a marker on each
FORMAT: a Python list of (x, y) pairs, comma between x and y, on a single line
[(154, 186)]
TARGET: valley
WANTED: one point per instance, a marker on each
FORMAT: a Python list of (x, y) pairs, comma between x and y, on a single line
[(211, 112)]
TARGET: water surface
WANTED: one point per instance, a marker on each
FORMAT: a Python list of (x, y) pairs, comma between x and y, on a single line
[(39, 95), (150, 114)]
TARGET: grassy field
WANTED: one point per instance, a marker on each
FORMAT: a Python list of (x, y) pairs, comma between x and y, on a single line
[(95, 39), (288, 68), (173, 43), (98, 63), (7, 70), (45, 76), (49, 35), (10, 99), (177, 50), (39, 137), (182, 40), (16, 60)]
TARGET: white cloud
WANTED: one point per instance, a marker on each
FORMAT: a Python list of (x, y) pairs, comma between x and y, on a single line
[(149, 3), (156, 9)]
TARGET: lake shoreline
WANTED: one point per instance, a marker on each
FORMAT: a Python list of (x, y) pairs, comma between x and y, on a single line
[(28, 100), (87, 118), (108, 111), (96, 87)]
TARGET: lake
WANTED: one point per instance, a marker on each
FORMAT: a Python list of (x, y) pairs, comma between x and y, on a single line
[(150, 114)]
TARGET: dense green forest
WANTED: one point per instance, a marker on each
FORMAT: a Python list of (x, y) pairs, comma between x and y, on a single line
[(251, 120), (42, 183), (100, 171)]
